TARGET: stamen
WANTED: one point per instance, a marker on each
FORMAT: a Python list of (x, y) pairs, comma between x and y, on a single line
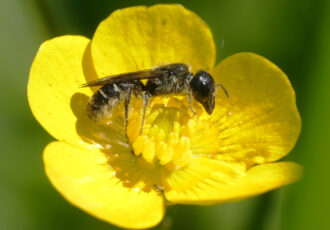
[(172, 134), (166, 136)]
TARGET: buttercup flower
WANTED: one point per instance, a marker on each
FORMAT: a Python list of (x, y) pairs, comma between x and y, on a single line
[(180, 157)]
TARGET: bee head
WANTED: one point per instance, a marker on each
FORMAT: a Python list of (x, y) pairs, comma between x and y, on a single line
[(203, 90)]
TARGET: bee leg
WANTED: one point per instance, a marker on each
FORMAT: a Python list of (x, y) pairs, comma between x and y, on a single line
[(127, 101), (190, 99), (159, 188), (190, 103), (189, 95), (145, 104)]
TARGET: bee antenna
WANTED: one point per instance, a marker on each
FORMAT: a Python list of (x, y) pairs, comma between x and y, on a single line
[(223, 88)]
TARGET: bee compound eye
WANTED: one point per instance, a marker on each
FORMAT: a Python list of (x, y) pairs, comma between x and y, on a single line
[(202, 87), (202, 84)]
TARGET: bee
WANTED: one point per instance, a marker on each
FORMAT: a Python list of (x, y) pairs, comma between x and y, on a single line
[(164, 80)]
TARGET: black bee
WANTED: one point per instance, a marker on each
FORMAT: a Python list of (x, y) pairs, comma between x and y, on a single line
[(167, 79)]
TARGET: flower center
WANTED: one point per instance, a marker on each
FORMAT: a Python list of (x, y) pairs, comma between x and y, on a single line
[(166, 134)]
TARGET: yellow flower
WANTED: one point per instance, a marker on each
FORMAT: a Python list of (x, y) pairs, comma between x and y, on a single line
[(180, 158)]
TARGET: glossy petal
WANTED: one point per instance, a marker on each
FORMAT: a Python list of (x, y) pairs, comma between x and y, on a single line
[(260, 121), (56, 74), (142, 37), (86, 179), (208, 181)]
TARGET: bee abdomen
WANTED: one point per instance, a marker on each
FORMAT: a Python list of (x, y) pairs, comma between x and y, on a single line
[(103, 101)]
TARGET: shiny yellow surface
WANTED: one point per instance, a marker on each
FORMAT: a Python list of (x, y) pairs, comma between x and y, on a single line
[(86, 180), (260, 121), (207, 181), (56, 74), (138, 38), (198, 159)]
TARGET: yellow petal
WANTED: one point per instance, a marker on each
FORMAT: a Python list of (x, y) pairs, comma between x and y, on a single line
[(260, 121), (142, 37), (87, 180), (208, 181), (56, 74)]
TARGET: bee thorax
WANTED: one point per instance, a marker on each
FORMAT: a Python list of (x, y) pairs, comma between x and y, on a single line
[(171, 85)]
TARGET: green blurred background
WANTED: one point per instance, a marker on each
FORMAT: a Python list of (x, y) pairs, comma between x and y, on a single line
[(294, 34)]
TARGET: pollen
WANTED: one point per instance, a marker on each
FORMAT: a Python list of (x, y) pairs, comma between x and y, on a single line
[(167, 133)]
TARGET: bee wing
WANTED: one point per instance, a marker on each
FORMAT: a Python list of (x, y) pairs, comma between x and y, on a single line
[(126, 77)]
